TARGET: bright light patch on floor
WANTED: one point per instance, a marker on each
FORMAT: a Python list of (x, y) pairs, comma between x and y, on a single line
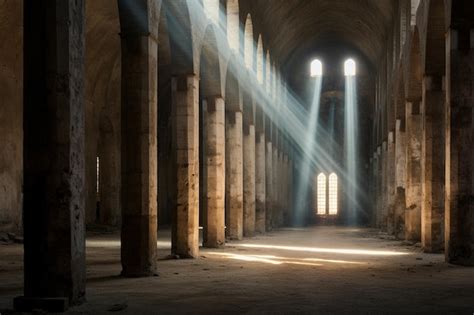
[(272, 260), (325, 250), (316, 68), (350, 68)]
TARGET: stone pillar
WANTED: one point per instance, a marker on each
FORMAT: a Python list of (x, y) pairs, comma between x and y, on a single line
[(459, 220), (379, 211), (54, 173), (281, 185), (249, 180), (391, 182), (260, 183), (413, 184), (400, 179), (433, 172), (375, 168), (139, 154), (275, 194), (185, 120), (215, 169), (269, 185), (234, 200), (290, 189), (383, 187), (286, 190)]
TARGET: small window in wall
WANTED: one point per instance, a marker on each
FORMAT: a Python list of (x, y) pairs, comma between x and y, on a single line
[(332, 194), (321, 194)]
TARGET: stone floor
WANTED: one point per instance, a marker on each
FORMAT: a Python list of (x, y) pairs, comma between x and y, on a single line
[(313, 270)]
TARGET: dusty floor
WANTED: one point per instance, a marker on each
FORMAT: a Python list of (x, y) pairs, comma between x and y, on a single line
[(314, 270)]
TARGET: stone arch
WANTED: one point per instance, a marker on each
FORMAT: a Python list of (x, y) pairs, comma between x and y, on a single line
[(414, 77), (181, 39), (248, 108), (268, 72), (435, 52), (404, 15), (400, 96), (233, 24), (260, 60), (209, 63), (233, 93), (249, 43)]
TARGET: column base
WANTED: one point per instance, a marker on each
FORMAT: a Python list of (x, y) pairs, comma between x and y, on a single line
[(29, 304)]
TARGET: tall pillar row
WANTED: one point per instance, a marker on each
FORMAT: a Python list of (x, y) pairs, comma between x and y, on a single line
[(249, 181), (260, 182), (400, 179), (459, 212), (391, 182), (433, 172), (139, 154), (383, 186), (374, 189), (214, 189), (234, 197), (379, 188), (275, 173), (185, 217), (413, 191), (54, 171), (269, 185)]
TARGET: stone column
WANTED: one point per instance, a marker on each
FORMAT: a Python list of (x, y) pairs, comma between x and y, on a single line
[(379, 216), (383, 187), (391, 182), (185, 120), (400, 179), (260, 182), (281, 185), (286, 190), (215, 173), (234, 200), (375, 189), (249, 180), (54, 173), (269, 185), (290, 189), (413, 190), (459, 220), (433, 172), (139, 154), (275, 194)]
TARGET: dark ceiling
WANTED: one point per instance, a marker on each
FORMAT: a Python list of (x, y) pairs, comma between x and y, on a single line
[(293, 28)]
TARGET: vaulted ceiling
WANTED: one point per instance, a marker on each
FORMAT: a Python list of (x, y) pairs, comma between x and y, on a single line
[(293, 28)]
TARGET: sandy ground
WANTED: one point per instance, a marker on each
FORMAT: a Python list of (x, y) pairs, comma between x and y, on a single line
[(314, 270)]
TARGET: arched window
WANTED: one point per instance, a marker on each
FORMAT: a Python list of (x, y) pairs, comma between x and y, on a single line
[(321, 194), (333, 194), (350, 68), (316, 68)]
